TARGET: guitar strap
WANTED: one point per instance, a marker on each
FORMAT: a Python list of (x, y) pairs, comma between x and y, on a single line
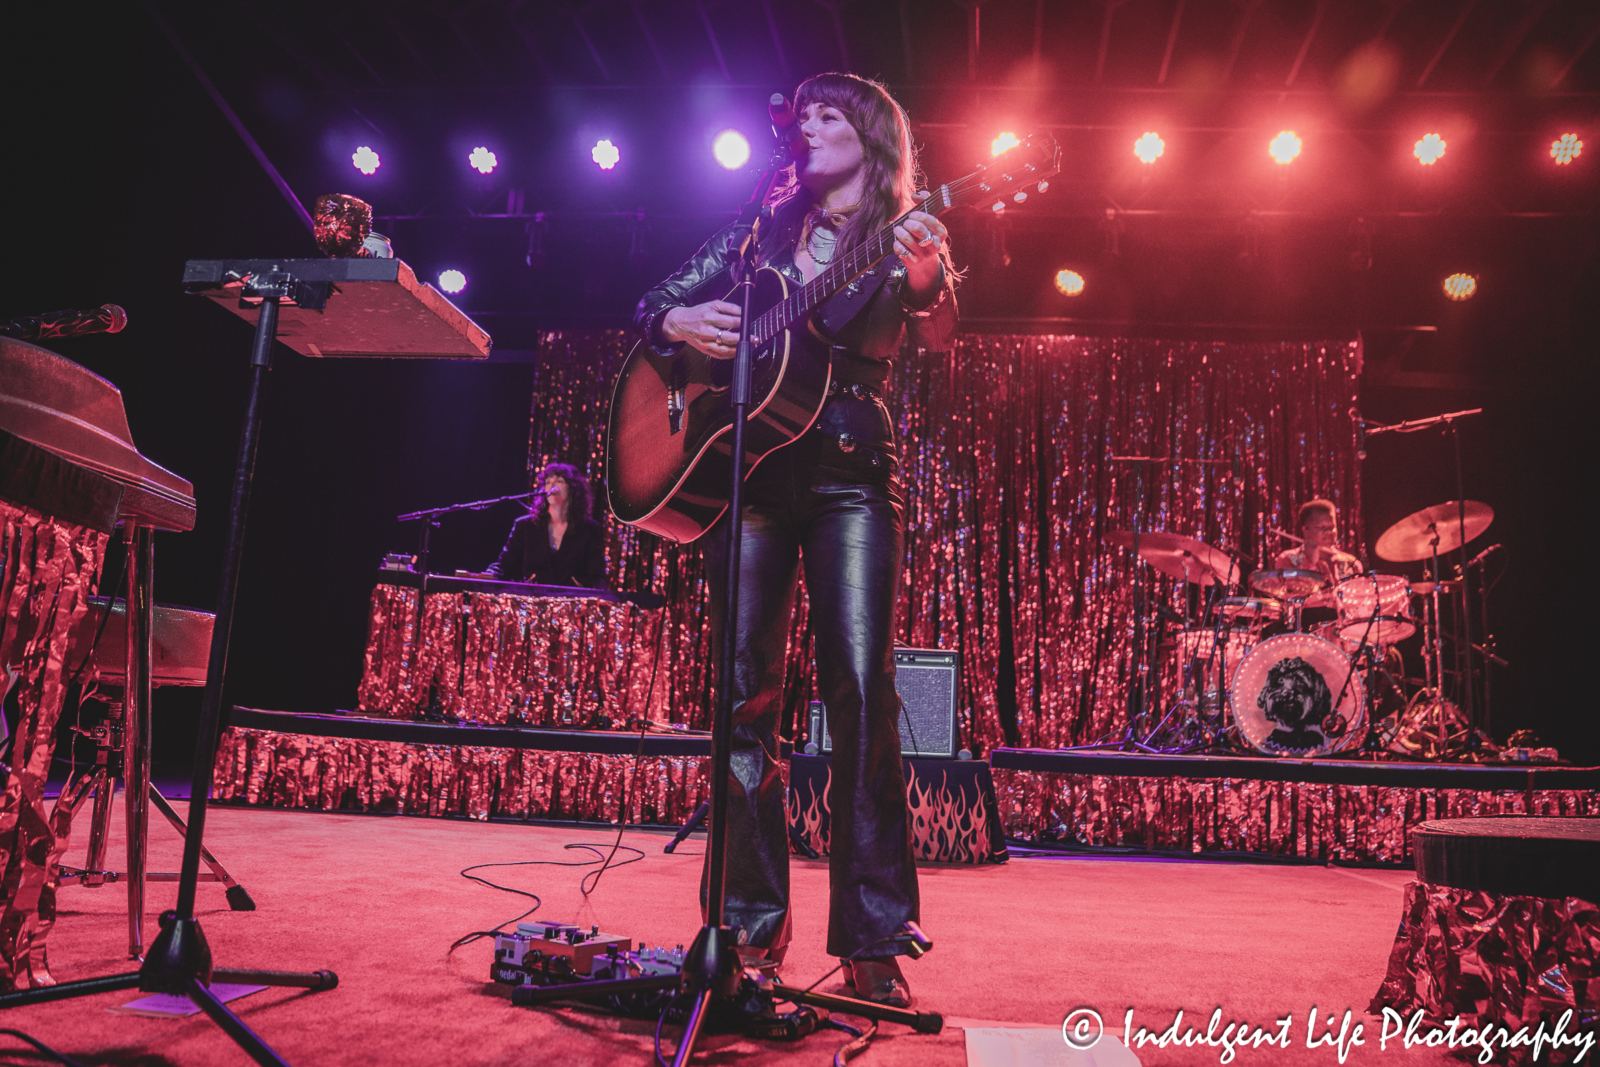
[(839, 309)]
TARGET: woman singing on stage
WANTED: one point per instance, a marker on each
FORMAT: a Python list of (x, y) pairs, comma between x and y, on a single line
[(832, 498)]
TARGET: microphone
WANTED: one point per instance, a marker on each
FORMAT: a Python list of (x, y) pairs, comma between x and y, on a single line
[(107, 318), (786, 125), (1361, 433), (1481, 556)]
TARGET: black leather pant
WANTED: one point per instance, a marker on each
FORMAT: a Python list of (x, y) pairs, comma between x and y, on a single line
[(844, 513)]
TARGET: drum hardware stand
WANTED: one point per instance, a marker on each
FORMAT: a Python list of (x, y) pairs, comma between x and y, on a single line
[(179, 960), (1468, 677), (713, 977)]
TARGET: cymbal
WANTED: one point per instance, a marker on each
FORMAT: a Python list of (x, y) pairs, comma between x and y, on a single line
[(1412, 537), (1179, 557)]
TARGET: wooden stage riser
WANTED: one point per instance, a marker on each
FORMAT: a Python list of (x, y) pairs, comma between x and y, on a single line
[(1303, 819)]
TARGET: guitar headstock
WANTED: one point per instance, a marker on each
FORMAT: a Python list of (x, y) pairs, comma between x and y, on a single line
[(1032, 161)]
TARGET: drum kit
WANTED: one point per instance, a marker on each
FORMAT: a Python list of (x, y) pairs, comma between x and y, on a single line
[(1293, 663)]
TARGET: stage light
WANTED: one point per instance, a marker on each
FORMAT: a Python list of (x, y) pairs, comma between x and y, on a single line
[(1566, 148), (1069, 282), (483, 161), (1149, 147), (452, 281), (1003, 143), (366, 160), (1460, 286), (1285, 146), (1429, 149), (731, 149), (605, 153)]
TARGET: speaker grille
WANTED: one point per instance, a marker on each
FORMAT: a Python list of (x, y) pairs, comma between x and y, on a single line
[(925, 678)]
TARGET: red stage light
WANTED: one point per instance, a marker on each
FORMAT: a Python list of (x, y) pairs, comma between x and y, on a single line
[(1566, 148), (1004, 142), (1460, 286), (1429, 149), (365, 160), (605, 153), (1069, 282), (1285, 146), (1149, 147)]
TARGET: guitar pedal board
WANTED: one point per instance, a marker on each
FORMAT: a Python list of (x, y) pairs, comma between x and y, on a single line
[(548, 952)]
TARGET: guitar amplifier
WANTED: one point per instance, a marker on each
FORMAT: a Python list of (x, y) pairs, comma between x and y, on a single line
[(925, 678)]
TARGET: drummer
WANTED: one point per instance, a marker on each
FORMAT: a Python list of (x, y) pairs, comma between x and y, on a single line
[(1319, 550)]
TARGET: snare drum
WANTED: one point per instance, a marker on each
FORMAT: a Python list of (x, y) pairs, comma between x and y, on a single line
[(1381, 600), (1283, 697)]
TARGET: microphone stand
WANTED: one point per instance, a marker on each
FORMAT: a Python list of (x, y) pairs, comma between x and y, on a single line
[(713, 975), (430, 522)]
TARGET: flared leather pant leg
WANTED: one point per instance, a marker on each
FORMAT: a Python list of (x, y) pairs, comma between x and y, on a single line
[(850, 531), (757, 895), (852, 549)]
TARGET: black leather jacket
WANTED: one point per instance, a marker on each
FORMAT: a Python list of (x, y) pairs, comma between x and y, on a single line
[(528, 557), (864, 350)]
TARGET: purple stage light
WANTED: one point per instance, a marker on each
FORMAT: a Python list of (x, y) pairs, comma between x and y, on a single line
[(731, 149), (452, 281), (365, 160), (482, 160), (605, 153)]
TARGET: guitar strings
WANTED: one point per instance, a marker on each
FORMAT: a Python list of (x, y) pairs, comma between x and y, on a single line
[(787, 311)]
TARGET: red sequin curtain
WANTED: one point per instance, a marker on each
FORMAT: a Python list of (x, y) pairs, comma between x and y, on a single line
[(1012, 491)]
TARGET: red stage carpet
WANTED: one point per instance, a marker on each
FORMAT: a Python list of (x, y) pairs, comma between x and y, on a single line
[(379, 901)]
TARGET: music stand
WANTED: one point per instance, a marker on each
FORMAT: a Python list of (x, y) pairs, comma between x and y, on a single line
[(334, 309)]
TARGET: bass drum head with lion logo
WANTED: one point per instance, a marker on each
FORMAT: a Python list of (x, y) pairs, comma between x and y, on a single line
[(1283, 695)]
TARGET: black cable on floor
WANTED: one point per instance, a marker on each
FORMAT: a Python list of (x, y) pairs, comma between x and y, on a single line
[(856, 1045), (466, 873), (44, 1048)]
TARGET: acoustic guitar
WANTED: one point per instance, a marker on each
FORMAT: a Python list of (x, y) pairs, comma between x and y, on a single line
[(669, 442)]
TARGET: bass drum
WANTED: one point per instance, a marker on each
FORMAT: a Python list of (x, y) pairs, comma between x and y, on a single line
[(1282, 697)]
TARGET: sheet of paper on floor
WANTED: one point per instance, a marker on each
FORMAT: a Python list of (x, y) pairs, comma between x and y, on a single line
[(176, 1005)]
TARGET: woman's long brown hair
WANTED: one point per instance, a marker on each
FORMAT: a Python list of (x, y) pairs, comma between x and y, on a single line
[(889, 157)]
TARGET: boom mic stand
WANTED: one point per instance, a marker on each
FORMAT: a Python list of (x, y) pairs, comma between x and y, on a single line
[(713, 976), (179, 960)]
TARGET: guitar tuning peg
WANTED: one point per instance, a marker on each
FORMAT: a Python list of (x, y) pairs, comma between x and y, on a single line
[(1020, 197), (1043, 187), (998, 206)]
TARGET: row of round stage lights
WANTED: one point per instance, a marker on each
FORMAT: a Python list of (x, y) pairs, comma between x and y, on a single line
[(731, 149), (1283, 148)]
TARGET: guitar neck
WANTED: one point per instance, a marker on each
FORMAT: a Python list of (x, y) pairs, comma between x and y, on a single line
[(799, 305)]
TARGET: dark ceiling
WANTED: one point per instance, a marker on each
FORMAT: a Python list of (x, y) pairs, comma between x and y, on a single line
[(1538, 48)]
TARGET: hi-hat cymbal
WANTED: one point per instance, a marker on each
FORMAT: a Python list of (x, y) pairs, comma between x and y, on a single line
[(1413, 537), (1180, 557)]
